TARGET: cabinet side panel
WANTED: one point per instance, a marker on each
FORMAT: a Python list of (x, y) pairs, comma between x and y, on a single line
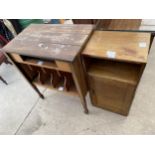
[(79, 76)]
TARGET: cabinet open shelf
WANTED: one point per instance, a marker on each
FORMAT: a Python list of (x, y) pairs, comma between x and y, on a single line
[(48, 85), (43, 63), (118, 71), (38, 62), (50, 78), (49, 64)]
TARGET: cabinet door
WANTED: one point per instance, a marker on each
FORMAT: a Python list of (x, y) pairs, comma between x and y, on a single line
[(111, 95)]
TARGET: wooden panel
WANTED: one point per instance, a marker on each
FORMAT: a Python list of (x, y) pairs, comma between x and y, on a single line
[(40, 63), (79, 76), (61, 42), (25, 76), (58, 28), (72, 91), (124, 72), (111, 95), (124, 46), (28, 71), (63, 66), (56, 65), (80, 80), (127, 24), (124, 24), (16, 57), (85, 21), (50, 38), (47, 51), (104, 23)]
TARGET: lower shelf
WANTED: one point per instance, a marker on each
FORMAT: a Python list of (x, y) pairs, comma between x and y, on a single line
[(59, 88), (49, 78)]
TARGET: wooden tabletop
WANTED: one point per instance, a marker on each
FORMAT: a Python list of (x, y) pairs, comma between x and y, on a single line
[(129, 24), (50, 41), (123, 46)]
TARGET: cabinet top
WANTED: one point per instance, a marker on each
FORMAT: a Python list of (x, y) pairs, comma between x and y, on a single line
[(50, 41), (122, 46)]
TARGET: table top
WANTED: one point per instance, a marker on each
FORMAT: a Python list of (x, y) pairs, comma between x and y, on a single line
[(50, 41), (121, 46), (129, 24)]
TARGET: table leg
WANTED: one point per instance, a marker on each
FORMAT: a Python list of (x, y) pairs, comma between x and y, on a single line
[(84, 104), (25, 76), (38, 92), (3, 80)]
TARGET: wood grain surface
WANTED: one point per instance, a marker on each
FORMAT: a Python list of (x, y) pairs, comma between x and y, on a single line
[(123, 46), (50, 41), (128, 24)]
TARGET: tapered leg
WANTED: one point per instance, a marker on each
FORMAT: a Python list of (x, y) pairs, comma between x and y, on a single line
[(36, 89), (3, 80), (25, 76), (84, 104)]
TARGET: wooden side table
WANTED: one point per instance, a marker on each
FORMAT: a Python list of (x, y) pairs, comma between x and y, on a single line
[(114, 63), (49, 55)]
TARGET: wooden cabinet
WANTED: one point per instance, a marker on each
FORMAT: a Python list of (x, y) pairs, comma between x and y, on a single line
[(114, 62), (112, 85), (49, 55)]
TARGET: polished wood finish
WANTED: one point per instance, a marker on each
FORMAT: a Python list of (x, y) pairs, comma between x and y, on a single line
[(113, 77), (48, 55)]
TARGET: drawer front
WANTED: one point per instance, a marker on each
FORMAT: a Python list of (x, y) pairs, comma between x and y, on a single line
[(111, 95)]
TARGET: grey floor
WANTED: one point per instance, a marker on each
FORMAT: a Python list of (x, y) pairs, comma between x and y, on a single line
[(23, 112)]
